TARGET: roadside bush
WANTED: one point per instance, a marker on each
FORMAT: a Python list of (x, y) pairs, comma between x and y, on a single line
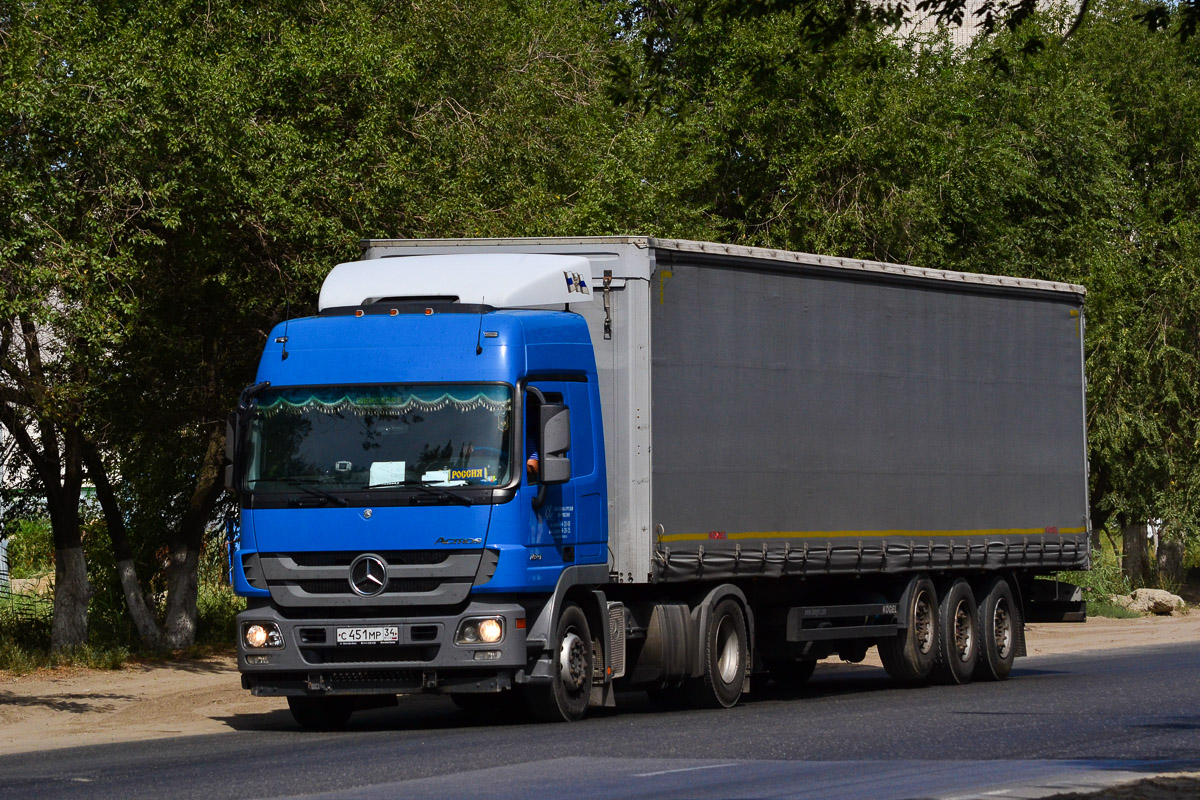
[(1101, 583), (89, 656), (217, 608), (24, 635), (25, 621), (30, 548), (109, 625)]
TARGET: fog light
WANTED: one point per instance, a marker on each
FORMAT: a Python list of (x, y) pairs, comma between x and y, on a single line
[(258, 660), (262, 634), (490, 631), (487, 655)]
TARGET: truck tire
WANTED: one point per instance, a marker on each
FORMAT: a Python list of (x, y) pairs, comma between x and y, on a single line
[(321, 713), (726, 654), (565, 697), (790, 672), (908, 656), (998, 621), (958, 635)]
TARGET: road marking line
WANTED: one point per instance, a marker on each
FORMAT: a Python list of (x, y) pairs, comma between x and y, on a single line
[(682, 769)]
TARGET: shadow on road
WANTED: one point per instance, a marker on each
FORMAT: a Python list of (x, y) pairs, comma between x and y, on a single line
[(80, 703), (438, 712)]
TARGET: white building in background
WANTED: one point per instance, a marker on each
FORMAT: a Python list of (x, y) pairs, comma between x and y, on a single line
[(960, 35), (972, 22)]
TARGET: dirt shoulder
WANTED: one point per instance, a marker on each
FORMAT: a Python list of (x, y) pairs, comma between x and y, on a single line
[(68, 708)]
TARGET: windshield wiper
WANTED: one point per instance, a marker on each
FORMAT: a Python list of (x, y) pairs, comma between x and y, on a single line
[(427, 488), (305, 484)]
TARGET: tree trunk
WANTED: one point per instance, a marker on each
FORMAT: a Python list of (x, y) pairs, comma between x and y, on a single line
[(135, 602), (1170, 563), (183, 571), (72, 591), (1136, 563), (71, 594), (182, 587)]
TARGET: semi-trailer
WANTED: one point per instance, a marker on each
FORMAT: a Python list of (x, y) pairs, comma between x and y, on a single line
[(544, 470)]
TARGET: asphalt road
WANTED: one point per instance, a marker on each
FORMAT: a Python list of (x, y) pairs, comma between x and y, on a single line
[(1061, 722)]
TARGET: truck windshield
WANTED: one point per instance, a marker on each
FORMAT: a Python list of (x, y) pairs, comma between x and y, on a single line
[(372, 437)]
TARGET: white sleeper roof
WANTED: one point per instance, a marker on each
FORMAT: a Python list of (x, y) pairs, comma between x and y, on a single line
[(501, 280)]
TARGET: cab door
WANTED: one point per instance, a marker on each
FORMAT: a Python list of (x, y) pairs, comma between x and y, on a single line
[(554, 534)]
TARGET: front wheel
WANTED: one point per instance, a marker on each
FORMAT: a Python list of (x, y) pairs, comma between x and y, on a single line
[(565, 697), (726, 654)]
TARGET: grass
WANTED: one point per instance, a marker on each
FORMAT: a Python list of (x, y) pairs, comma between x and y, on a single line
[(1103, 607)]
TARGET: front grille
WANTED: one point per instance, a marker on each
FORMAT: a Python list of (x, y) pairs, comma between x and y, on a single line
[(369, 654), (398, 557), (354, 611), (406, 585), (345, 680), (415, 578)]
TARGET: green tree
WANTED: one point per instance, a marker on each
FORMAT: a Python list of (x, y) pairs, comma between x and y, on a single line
[(1144, 367), (224, 158)]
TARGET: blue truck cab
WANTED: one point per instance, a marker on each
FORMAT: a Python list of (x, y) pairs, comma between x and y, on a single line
[(417, 478)]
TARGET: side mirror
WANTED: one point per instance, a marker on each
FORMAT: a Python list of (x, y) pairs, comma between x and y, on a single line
[(555, 423)]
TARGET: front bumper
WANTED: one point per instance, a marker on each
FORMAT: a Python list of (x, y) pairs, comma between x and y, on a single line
[(424, 659)]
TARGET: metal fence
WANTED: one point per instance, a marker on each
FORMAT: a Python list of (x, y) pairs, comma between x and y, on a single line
[(19, 605)]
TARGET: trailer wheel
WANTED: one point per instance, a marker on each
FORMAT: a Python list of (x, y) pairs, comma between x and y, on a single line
[(908, 656), (321, 713), (565, 697), (726, 655), (998, 621), (958, 635), (790, 672)]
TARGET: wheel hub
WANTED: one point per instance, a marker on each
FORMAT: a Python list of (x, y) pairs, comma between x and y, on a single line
[(1002, 629), (729, 658), (964, 632), (923, 623), (572, 661)]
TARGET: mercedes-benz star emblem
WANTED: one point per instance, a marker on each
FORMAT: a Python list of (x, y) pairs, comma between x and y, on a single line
[(368, 575)]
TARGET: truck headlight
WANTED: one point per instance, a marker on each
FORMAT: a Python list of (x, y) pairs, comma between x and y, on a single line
[(485, 630), (262, 635)]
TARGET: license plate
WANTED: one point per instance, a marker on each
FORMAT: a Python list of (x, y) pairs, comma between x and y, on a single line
[(385, 635)]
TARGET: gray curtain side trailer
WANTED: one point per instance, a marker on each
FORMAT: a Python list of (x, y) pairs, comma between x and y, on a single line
[(818, 455)]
